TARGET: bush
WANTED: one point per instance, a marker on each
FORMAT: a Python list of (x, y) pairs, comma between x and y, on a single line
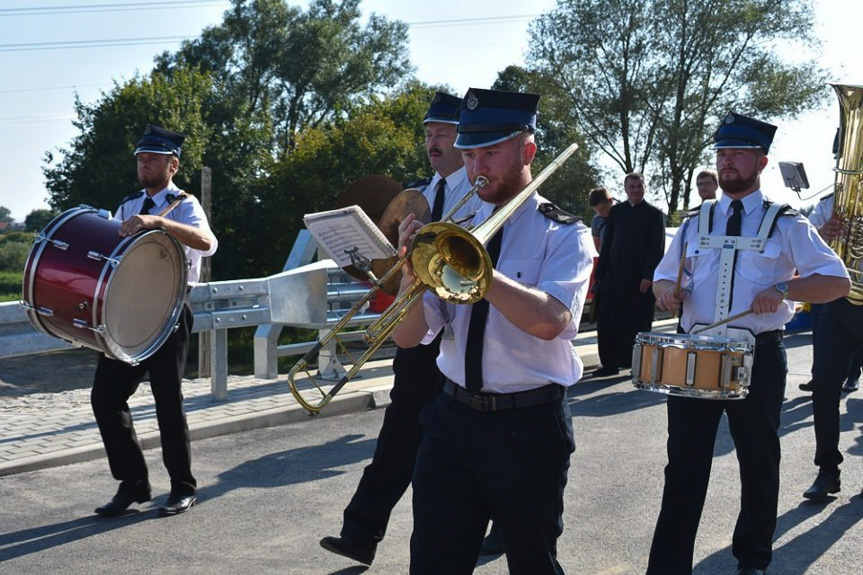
[(14, 249), (10, 285)]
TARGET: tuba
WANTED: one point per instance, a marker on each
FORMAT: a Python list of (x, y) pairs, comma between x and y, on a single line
[(848, 190)]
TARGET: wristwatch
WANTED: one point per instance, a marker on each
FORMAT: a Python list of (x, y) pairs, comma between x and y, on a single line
[(782, 287)]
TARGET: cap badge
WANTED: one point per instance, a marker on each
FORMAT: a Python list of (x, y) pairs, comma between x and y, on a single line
[(472, 101), (729, 119)]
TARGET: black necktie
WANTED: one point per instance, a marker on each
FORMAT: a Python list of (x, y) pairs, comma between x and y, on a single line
[(476, 329), (437, 209), (148, 205), (732, 228)]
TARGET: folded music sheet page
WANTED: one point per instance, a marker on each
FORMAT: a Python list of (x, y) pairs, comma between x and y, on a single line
[(348, 236)]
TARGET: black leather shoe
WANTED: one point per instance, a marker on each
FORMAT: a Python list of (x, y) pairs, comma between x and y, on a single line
[(825, 484), (605, 371), (750, 571), (493, 543), (125, 497), (177, 504), (851, 385), (808, 387), (347, 548)]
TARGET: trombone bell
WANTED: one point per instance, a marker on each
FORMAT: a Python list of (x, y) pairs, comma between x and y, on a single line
[(451, 262)]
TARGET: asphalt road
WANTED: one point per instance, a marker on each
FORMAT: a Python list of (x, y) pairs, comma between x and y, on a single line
[(268, 496)]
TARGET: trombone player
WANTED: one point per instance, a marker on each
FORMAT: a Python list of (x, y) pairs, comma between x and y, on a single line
[(417, 379), (498, 440)]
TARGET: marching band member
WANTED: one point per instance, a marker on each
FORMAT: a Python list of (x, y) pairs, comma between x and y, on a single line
[(742, 253)]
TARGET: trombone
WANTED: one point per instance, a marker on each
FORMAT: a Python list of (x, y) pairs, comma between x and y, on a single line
[(448, 259)]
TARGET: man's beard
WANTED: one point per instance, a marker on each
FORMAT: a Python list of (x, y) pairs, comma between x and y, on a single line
[(507, 187), (151, 181), (737, 185)]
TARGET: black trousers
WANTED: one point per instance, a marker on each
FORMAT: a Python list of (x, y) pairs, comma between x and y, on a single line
[(692, 426), (837, 339), (622, 313), (855, 366), (472, 465), (417, 381), (114, 384)]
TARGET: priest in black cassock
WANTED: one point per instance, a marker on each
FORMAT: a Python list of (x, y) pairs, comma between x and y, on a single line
[(634, 243)]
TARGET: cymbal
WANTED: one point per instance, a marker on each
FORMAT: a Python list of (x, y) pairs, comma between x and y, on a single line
[(407, 202), (371, 193)]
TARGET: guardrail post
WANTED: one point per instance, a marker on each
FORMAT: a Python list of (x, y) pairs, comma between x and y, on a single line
[(329, 366), (219, 364)]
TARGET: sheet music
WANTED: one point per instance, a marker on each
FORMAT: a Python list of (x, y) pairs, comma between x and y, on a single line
[(348, 235)]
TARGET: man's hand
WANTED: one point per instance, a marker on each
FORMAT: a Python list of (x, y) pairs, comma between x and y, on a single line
[(666, 299), (407, 228), (767, 301), (137, 223), (832, 228), (644, 286)]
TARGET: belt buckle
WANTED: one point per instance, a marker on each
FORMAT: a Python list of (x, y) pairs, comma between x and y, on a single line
[(480, 402)]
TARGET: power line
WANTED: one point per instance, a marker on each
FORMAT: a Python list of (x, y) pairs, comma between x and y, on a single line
[(90, 8), (90, 43), (63, 45)]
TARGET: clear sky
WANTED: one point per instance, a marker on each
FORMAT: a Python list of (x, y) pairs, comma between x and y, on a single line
[(49, 49)]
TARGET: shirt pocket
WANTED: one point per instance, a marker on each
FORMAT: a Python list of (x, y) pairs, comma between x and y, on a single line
[(523, 271), (759, 267)]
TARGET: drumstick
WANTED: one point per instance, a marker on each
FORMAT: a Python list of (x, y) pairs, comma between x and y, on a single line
[(722, 322), (680, 273), (180, 197)]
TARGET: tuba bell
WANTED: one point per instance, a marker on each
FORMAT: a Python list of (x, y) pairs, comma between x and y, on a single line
[(848, 189)]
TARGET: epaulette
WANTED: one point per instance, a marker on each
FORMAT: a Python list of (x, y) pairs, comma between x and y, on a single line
[(553, 212), (691, 212), (416, 184), (132, 196), (827, 197)]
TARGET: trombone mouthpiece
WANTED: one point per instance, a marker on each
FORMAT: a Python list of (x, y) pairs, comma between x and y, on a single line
[(481, 182)]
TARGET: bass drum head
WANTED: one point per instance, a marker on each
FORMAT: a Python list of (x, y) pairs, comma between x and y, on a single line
[(144, 297)]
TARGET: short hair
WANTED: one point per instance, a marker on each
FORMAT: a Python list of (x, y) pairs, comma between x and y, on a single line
[(708, 174), (633, 176), (598, 196)]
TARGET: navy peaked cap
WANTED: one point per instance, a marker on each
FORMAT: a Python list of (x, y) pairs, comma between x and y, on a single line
[(739, 131), (492, 116), (443, 108), (158, 140)]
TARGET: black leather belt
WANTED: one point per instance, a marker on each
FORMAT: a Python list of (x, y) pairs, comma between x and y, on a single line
[(501, 401), (769, 337)]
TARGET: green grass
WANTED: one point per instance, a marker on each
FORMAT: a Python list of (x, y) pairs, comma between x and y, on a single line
[(10, 286)]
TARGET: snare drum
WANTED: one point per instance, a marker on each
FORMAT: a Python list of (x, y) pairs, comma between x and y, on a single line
[(692, 365), (85, 284)]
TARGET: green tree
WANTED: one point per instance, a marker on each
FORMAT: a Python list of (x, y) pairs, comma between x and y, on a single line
[(384, 137), (5, 214), (99, 168), (302, 68), (38, 219), (648, 80), (569, 186)]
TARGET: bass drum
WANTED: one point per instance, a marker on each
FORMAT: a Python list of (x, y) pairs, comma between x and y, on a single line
[(85, 284)]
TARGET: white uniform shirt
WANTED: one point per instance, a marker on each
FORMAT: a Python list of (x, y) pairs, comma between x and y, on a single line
[(189, 212), (822, 212), (540, 253), (794, 245), (457, 185)]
